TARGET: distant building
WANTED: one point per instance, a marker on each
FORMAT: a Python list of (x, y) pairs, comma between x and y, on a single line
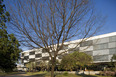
[(101, 48)]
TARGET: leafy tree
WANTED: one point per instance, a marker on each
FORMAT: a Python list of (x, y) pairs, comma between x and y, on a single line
[(67, 62), (9, 45), (82, 58), (31, 66), (114, 57), (75, 59), (113, 62), (43, 65)]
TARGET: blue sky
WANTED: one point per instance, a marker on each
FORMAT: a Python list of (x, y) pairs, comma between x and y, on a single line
[(107, 8)]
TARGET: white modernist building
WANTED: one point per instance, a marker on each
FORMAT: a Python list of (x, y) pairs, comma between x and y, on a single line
[(101, 48)]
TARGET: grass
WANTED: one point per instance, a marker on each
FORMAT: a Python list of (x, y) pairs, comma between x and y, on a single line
[(47, 74), (9, 73)]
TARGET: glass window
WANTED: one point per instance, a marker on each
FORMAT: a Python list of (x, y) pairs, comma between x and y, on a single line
[(38, 55), (86, 43), (112, 51), (60, 57), (45, 58), (100, 58), (22, 60), (32, 59), (74, 49), (113, 38), (26, 57), (44, 50), (32, 53), (65, 47), (100, 46), (89, 53), (22, 54)]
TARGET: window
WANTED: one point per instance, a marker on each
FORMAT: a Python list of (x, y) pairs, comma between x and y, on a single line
[(112, 39), (100, 46), (74, 49), (22, 54), (45, 58), (32, 59), (89, 53), (22, 61), (86, 43), (60, 57), (65, 47), (100, 58), (44, 50), (32, 53), (112, 51), (38, 55), (26, 57)]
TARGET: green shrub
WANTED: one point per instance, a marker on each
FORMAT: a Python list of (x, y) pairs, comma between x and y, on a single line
[(108, 73), (65, 73)]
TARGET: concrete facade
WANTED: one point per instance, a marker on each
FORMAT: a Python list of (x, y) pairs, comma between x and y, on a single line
[(101, 48)]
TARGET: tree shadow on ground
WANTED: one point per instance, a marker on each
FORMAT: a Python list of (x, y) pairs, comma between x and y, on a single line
[(37, 75), (84, 75)]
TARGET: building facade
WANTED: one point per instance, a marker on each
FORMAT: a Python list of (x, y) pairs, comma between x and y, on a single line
[(101, 48)]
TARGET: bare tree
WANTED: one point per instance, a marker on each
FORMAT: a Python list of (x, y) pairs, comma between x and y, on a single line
[(49, 23)]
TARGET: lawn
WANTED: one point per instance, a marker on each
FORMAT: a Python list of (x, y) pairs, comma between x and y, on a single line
[(47, 74), (9, 73)]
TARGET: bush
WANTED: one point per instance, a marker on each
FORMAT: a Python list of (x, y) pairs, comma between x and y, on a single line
[(108, 73), (65, 73)]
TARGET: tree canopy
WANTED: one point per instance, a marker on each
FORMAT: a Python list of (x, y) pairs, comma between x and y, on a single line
[(74, 60), (114, 57), (9, 45)]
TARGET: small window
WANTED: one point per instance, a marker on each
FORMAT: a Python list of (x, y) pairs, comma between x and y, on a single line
[(22, 61), (44, 50), (100, 58), (32, 53), (112, 39), (45, 58), (65, 47), (32, 59), (86, 43), (22, 55), (100, 46), (26, 57), (112, 51), (89, 53), (38, 55)]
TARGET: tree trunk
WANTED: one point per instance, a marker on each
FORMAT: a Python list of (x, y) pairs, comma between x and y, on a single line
[(52, 71)]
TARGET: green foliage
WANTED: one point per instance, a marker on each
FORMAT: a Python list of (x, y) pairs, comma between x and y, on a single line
[(31, 66), (65, 73), (114, 57), (68, 63), (9, 45), (74, 60), (82, 58)]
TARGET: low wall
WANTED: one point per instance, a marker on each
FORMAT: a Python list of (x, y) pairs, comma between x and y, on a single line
[(82, 72)]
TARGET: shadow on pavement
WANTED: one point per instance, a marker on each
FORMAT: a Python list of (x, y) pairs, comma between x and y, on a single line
[(37, 75), (84, 75)]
